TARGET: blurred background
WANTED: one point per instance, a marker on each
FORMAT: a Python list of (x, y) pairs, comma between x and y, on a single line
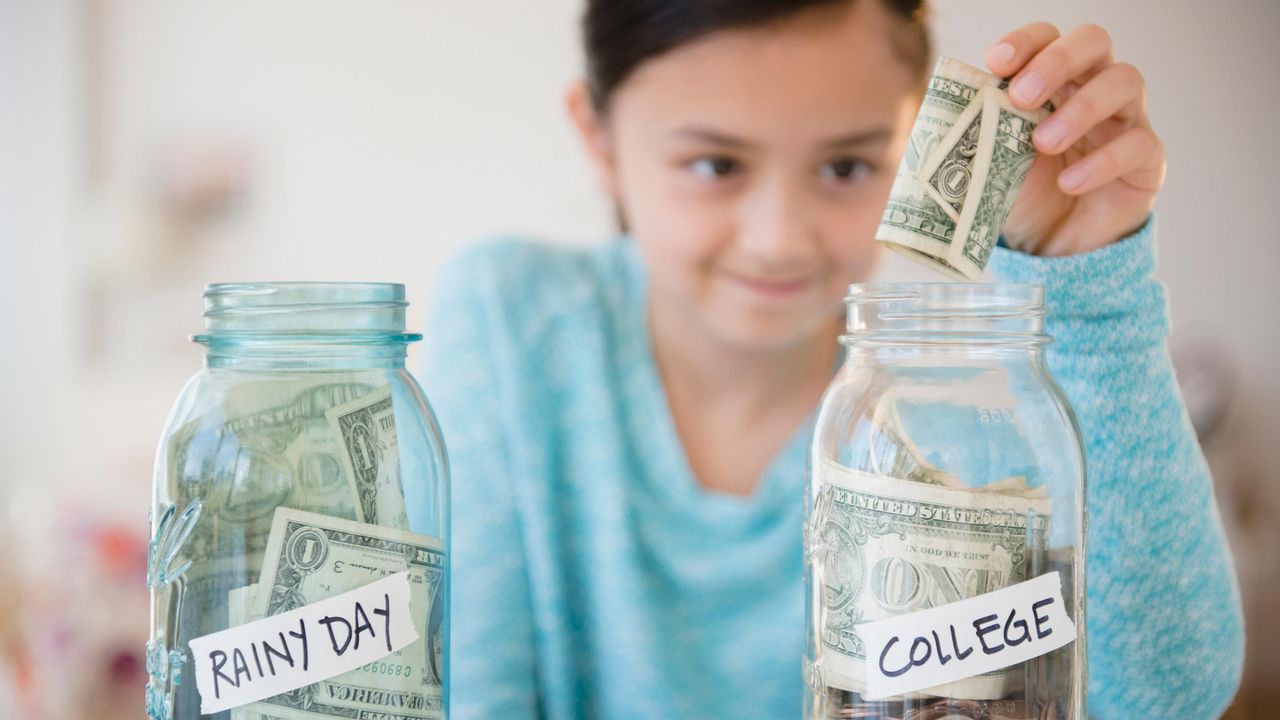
[(148, 147)]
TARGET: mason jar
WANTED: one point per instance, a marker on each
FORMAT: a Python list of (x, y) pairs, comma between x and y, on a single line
[(945, 514), (301, 480)]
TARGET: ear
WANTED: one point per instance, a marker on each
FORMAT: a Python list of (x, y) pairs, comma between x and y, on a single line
[(594, 131)]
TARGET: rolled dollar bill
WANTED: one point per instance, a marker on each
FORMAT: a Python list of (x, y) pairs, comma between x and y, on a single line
[(969, 152)]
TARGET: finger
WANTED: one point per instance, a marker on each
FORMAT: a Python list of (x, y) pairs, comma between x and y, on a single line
[(1064, 59), (1136, 156), (1011, 52), (1116, 91)]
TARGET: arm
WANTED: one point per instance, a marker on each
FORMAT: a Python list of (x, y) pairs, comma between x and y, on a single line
[(492, 638), (1164, 616)]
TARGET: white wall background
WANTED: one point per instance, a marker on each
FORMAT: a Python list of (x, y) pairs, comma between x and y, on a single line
[(377, 136)]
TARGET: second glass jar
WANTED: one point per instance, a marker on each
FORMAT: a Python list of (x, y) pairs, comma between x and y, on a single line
[(946, 468), (302, 462)]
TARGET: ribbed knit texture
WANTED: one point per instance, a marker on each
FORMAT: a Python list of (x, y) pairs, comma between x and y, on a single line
[(594, 578)]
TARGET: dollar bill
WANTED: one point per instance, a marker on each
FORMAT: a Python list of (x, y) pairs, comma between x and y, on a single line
[(311, 557), (887, 547), (268, 446), (969, 151), (240, 605), (258, 456), (278, 405), (893, 453), (296, 436), (244, 464), (365, 429)]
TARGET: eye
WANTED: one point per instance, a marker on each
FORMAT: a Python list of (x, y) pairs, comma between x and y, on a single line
[(847, 170), (715, 167)]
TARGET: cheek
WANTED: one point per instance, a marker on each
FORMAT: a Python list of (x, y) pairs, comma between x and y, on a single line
[(679, 231), (849, 238)]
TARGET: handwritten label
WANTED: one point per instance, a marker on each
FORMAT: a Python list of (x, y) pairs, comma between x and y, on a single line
[(966, 638), (284, 652)]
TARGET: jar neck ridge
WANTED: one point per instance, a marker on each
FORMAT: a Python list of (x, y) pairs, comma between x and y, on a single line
[(945, 315), (305, 326)]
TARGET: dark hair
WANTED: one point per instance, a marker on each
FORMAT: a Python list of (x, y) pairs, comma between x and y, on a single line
[(619, 35)]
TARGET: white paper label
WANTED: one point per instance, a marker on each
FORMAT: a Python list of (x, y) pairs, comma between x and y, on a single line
[(966, 638), (284, 652)]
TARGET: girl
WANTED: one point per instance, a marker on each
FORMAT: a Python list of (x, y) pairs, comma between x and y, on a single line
[(627, 424)]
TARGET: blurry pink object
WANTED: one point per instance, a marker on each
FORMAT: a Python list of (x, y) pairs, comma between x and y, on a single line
[(85, 622)]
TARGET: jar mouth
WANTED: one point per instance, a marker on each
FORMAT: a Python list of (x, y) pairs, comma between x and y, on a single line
[(274, 309), (983, 313)]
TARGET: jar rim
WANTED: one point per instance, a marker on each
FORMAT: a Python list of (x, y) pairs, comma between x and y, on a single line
[(268, 285), (304, 308), (1030, 294), (945, 312)]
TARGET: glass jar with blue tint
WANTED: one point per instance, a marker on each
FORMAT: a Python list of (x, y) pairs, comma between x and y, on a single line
[(302, 463), (945, 515)]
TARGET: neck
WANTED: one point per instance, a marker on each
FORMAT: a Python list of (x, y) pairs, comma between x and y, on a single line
[(704, 370)]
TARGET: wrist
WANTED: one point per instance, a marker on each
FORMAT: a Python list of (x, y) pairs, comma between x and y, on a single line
[(1066, 242)]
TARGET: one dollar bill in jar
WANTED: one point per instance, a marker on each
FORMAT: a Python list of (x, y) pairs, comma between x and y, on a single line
[(885, 547), (311, 557)]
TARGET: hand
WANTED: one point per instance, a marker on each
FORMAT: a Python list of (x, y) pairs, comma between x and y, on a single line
[(1099, 165)]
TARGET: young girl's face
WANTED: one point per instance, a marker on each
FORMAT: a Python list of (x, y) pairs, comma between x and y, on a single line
[(752, 167)]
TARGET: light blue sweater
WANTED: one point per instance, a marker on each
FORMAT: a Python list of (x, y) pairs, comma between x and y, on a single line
[(594, 578)]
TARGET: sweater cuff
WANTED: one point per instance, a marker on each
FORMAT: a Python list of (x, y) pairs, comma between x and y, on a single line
[(1111, 285)]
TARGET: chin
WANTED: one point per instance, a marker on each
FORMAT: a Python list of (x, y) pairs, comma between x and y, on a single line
[(772, 331)]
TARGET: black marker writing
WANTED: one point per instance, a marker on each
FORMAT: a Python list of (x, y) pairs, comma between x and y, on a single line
[(386, 614), (328, 622), (1041, 619), (982, 628), (285, 654)]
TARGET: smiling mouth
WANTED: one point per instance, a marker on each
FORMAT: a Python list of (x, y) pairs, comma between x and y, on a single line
[(773, 287)]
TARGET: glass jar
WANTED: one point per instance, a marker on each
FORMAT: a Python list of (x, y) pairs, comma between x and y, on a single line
[(945, 514), (301, 463)]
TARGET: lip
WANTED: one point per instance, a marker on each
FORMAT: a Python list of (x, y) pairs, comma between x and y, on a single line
[(777, 288)]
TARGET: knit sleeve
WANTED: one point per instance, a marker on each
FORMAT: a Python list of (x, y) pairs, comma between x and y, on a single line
[(1165, 626)]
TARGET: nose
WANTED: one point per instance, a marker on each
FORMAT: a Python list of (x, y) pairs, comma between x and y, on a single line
[(775, 223)]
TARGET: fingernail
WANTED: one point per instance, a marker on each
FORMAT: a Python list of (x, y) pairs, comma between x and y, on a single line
[(1051, 133), (1027, 88), (1072, 178), (1000, 54)]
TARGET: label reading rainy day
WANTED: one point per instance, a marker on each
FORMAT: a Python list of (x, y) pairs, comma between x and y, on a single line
[(315, 642), (963, 639)]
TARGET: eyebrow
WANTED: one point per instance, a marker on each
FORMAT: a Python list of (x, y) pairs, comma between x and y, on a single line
[(879, 133)]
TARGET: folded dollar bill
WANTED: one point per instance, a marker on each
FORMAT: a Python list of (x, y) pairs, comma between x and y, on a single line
[(969, 152), (365, 429)]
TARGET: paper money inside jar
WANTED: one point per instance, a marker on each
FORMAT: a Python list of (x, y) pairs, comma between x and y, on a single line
[(945, 515), (969, 151), (298, 562)]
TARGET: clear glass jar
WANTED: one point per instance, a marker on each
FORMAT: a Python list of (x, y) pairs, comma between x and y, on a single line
[(304, 413), (946, 465)]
